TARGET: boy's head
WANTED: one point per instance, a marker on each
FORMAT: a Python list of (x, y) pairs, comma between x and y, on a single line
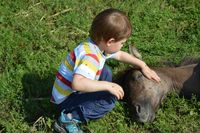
[(110, 23)]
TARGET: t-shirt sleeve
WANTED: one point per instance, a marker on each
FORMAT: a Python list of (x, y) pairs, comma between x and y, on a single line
[(86, 66), (108, 56)]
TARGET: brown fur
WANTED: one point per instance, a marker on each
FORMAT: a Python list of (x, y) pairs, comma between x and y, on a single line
[(145, 96)]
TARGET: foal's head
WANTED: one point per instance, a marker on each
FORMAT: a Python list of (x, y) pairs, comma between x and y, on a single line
[(144, 95)]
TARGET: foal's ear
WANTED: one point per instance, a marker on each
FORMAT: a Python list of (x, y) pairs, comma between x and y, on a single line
[(133, 50)]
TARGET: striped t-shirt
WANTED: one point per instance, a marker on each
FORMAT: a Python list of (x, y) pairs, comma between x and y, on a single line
[(87, 60)]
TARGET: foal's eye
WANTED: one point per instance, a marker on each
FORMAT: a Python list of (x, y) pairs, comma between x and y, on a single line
[(138, 77)]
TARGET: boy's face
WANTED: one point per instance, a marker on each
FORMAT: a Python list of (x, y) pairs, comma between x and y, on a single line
[(113, 46)]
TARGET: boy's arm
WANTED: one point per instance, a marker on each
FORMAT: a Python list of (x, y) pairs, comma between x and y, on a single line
[(83, 84), (127, 58)]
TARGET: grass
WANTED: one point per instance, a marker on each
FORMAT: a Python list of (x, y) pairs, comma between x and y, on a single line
[(35, 35)]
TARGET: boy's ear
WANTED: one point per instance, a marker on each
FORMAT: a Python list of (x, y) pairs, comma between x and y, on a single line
[(110, 41)]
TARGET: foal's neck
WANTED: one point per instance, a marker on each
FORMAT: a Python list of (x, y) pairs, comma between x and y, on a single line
[(177, 75)]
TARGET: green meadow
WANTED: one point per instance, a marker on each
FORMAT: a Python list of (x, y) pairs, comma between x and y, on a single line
[(35, 35)]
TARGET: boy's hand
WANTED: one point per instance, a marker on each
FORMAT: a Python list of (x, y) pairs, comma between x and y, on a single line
[(116, 90), (150, 74)]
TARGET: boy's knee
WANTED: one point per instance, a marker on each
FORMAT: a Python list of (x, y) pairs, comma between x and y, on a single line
[(109, 100), (106, 74), (113, 98)]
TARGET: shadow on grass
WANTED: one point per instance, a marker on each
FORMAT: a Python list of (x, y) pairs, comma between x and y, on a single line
[(37, 93)]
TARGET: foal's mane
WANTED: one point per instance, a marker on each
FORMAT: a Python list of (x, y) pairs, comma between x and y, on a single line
[(189, 61)]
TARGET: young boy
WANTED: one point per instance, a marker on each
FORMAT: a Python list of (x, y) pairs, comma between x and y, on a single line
[(83, 89)]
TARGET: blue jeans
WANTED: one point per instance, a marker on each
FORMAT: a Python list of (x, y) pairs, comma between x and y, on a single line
[(94, 105)]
